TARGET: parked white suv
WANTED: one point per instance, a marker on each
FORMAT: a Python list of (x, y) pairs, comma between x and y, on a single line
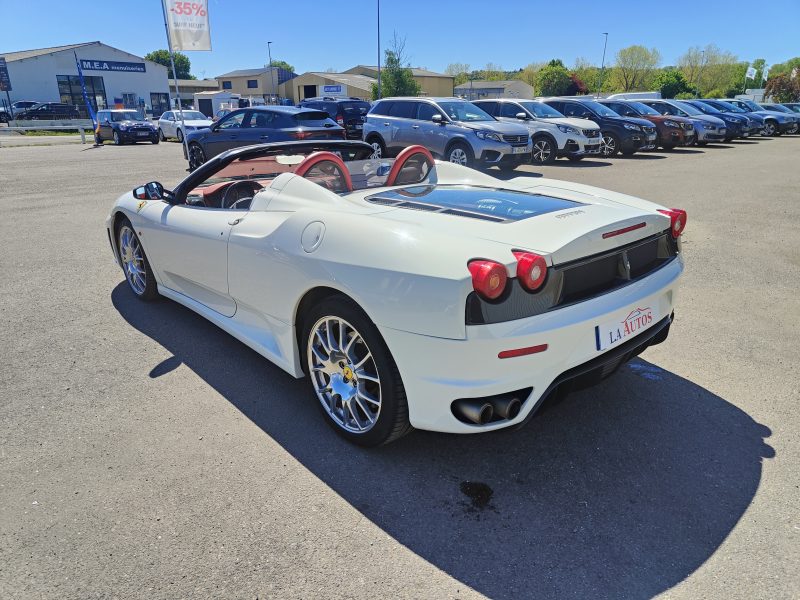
[(552, 134)]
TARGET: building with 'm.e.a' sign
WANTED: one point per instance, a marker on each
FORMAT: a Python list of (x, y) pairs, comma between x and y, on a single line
[(114, 78)]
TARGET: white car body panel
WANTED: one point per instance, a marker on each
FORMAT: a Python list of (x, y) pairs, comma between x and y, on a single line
[(170, 127), (247, 272)]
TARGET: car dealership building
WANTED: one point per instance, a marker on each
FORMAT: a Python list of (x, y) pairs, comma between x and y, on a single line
[(114, 78)]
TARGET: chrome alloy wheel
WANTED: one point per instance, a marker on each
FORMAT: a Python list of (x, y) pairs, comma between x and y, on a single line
[(769, 129), (459, 157), (608, 145), (542, 150), (132, 260), (344, 374), (377, 151)]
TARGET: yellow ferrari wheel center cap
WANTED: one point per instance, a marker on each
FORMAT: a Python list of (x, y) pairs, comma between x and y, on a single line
[(347, 374)]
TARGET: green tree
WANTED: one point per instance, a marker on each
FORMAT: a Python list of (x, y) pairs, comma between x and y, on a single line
[(635, 67), (782, 88), (282, 64), (528, 74), (459, 72), (671, 82), (493, 72), (786, 67), (553, 80), (182, 64), (396, 78)]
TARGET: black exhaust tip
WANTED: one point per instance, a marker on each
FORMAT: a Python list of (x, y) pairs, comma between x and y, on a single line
[(507, 407), (475, 411)]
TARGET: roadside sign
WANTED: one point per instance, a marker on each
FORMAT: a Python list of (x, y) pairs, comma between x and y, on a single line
[(5, 80)]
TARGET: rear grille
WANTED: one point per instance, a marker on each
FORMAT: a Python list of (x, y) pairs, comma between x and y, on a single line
[(591, 133), (516, 140), (576, 281)]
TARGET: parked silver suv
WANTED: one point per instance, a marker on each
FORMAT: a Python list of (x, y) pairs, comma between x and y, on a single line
[(450, 128)]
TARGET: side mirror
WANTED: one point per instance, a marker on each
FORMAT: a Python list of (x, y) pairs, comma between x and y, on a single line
[(522, 116), (106, 122), (437, 118), (149, 191)]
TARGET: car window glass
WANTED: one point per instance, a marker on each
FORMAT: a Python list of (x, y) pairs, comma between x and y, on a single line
[(382, 108), (260, 119), (232, 121), (403, 110), (426, 111), (574, 110), (621, 109), (489, 107), (510, 109)]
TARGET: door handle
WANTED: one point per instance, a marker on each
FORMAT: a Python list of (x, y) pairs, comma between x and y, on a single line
[(233, 137), (385, 124), (415, 127), (264, 137), (235, 221)]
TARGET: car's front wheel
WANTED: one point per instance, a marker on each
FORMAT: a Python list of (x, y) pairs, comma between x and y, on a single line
[(161, 135), (460, 154), (609, 144), (770, 129), (196, 156), (117, 139), (180, 136), (134, 262), (353, 374), (378, 147), (544, 151)]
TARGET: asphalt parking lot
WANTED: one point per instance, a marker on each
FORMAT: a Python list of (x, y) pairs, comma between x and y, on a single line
[(146, 454)]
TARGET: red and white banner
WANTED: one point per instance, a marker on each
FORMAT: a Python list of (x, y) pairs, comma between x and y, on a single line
[(188, 24)]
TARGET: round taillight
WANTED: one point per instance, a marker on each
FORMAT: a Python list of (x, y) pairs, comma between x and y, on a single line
[(531, 270), (677, 218), (488, 278)]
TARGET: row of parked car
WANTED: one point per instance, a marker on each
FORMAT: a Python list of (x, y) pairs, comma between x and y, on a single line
[(499, 132)]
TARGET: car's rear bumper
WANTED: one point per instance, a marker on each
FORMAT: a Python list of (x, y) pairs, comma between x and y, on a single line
[(438, 371)]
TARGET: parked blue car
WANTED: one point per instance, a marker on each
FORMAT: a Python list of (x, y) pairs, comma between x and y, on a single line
[(775, 123), (259, 125), (738, 126), (727, 107)]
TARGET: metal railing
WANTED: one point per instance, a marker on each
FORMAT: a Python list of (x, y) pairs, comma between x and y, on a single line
[(81, 125)]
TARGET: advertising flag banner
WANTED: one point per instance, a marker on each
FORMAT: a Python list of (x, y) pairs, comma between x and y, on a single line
[(188, 24), (751, 73), (5, 80), (83, 89), (765, 74)]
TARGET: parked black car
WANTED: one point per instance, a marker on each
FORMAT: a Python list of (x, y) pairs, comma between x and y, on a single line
[(619, 134), (756, 121), (738, 126), (350, 113), (124, 126), (48, 111)]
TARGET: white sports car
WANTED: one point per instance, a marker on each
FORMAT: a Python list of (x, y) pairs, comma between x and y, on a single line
[(412, 293)]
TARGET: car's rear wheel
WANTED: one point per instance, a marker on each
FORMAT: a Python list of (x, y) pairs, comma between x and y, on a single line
[(460, 154), (180, 136), (155, 140), (793, 129), (699, 143), (378, 147), (609, 144), (117, 139), (353, 374), (196, 156), (544, 151), (4, 117), (575, 157), (137, 269)]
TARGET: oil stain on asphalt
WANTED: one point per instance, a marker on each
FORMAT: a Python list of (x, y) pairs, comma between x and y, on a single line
[(479, 493)]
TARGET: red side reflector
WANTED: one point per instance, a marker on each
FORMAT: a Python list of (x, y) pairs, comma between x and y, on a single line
[(522, 351), (609, 234)]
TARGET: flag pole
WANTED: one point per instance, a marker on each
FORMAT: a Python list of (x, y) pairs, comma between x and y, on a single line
[(175, 79)]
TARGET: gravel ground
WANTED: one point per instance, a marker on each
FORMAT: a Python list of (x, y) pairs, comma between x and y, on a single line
[(146, 454)]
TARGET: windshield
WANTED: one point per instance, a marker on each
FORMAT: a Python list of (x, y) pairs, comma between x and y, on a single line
[(192, 115), (752, 105), (643, 109), (464, 111), (125, 115), (598, 108), (707, 108), (729, 107), (354, 108), (688, 109), (777, 107), (541, 110)]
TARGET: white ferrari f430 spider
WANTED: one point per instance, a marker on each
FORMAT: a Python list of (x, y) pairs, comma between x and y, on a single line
[(411, 293)]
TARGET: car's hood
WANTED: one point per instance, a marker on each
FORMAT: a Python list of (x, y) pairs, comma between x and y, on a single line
[(633, 120), (709, 119), (577, 123), (497, 126), (132, 123), (777, 115), (199, 122)]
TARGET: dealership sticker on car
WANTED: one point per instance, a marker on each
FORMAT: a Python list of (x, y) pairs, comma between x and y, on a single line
[(614, 333)]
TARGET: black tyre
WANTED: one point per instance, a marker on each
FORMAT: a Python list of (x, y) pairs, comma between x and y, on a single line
[(353, 375), (544, 150), (460, 154), (4, 117), (378, 147), (575, 157), (668, 146), (180, 136), (161, 135), (155, 140), (771, 129), (609, 144), (197, 156), (117, 139), (134, 261), (699, 143)]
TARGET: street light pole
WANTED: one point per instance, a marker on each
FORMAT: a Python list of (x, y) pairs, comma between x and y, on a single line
[(602, 65), (379, 49), (271, 73)]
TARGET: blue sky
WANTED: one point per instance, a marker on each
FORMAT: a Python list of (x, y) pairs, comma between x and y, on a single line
[(314, 36)]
